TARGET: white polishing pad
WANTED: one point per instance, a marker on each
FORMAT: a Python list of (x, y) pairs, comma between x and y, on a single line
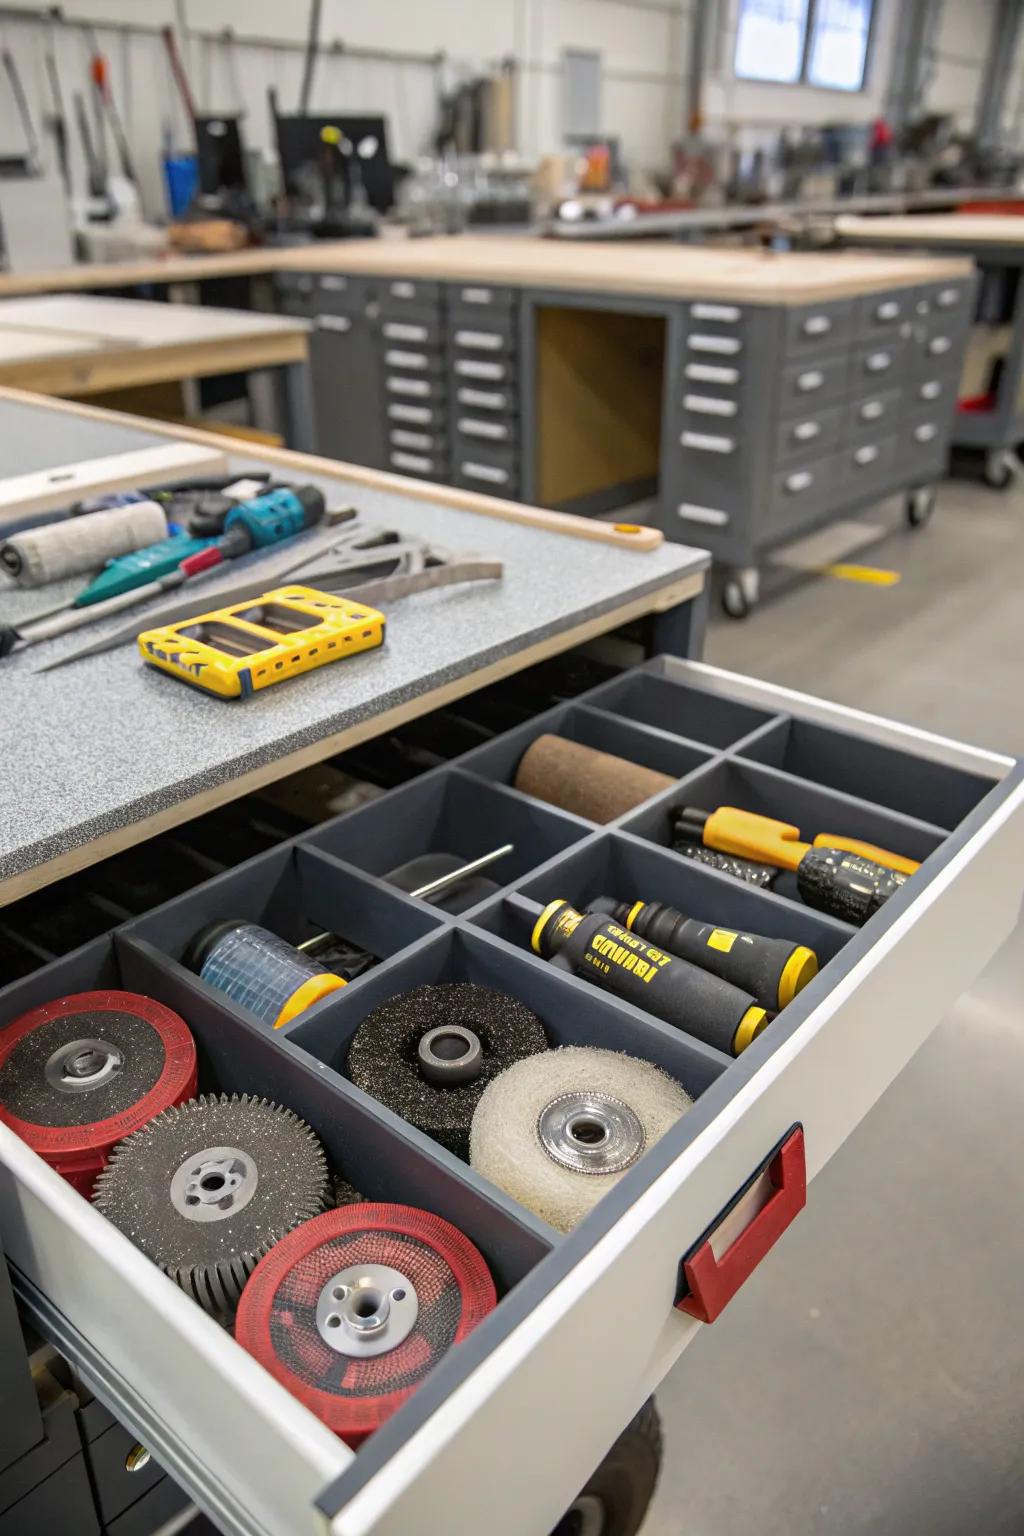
[(558, 1129)]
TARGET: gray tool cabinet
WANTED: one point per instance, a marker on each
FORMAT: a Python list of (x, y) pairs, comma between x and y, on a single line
[(597, 1318), (775, 418)]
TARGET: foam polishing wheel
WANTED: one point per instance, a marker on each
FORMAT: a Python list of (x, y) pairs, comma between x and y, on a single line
[(206, 1189), (429, 1053), (557, 1131), (351, 1311), (80, 1073)]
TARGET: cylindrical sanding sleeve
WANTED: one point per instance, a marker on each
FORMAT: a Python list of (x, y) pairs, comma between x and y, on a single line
[(80, 544), (588, 783)]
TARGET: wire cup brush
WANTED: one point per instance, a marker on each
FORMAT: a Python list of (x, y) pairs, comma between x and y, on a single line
[(205, 1190)]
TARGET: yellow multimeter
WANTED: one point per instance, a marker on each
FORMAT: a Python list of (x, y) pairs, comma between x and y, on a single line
[(233, 651)]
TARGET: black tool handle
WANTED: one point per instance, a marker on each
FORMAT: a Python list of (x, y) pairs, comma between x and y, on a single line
[(606, 953), (845, 885), (771, 970)]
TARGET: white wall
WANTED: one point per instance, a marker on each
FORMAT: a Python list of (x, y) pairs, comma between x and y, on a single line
[(643, 43)]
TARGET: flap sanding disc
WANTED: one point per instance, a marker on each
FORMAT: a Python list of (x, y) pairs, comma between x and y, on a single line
[(588, 783), (206, 1189), (557, 1131), (352, 1310), (385, 1058), (80, 1073)]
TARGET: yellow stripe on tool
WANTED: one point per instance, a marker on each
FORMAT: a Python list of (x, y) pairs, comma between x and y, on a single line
[(870, 575)]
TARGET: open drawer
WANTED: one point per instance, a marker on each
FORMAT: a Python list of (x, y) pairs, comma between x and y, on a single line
[(510, 1423)]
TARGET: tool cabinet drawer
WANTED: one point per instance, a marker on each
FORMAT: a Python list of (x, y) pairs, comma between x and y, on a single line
[(477, 397), (296, 293), (874, 414), (476, 457), (923, 446), (811, 435), (418, 463), (469, 299), (935, 347), (883, 314), (419, 418), (799, 492), (471, 1449), (402, 359), (484, 370), (400, 296), (487, 429), (422, 388), (818, 327), (932, 388), (484, 333), (338, 293), (948, 302), (877, 365), (864, 464), (807, 385), (412, 331)]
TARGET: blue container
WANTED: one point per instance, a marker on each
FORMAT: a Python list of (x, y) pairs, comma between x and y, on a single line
[(181, 173)]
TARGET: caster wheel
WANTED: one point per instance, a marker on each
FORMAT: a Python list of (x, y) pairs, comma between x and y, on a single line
[(998, 473), (919, 505), (740, 593), (615, 1500)]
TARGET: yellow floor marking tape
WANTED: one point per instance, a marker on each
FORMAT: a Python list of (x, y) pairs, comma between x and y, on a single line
[(868, 574)]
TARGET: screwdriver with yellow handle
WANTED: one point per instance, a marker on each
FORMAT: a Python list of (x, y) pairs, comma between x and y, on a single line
[(846, 877)]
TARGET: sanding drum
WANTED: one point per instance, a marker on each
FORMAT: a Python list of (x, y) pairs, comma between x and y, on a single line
[(592, 784), (80, 1073), (429, 1054), (557, 1131), (78, 545)]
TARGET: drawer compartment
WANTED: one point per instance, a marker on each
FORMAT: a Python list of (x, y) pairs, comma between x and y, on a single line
[(412, 332), (401, 296), (409, 360), (428, 466), (878, 365), (479, 397), (882, 314), (501, 459), (808, 436), (412, 440), (250, 1454), (411, 388), (484, 334), (931, 387), (799, 492), (867, 463), (483, 370), (809, 384), (874, 414), (487, 429), (472, 298), (421, 418), (818, 327)]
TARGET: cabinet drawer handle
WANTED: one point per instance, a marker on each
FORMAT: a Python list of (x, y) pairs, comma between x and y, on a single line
[(709, 405), (403, 439), (866, 455), (811, 380), (816, 325), (333, 323), (485, 472), (925, 432), (483, 341), (395, 330), (799, 481), (414, 461), (878, 362), (707, 443), (496, 430), (807, 431), (396, 358), (947, 297), (408, 386), (419, 415), (708, 373), (727, 314), (488, 399), (939, 344), (707, 1284), (334, 284), (729, 345), (403, 290), (476, 295), (468, 368), (889, 309), (930, 390), (871, 410)]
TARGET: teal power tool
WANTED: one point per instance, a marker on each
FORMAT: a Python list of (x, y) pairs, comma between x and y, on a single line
[(250, 525)]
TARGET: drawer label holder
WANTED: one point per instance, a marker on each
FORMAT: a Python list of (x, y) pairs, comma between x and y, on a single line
[(707, 1283)]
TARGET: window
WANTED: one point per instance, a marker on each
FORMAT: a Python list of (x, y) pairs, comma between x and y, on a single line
[(814, 42)]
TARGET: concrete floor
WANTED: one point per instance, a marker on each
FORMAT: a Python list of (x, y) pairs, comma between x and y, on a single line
[(870, 1376)]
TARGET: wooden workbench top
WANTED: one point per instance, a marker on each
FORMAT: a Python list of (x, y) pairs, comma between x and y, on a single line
[(938, 229), (654, 269)]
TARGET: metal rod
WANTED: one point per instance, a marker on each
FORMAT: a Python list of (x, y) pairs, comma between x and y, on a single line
[(455, 875)]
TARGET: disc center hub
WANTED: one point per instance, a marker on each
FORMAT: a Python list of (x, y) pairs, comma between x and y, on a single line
[(590, 1132), (367, 1309), (214, 1183), (450, 1054), (80, 1066)]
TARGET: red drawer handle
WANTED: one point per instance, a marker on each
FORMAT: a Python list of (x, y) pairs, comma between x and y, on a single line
[(707, 1284)]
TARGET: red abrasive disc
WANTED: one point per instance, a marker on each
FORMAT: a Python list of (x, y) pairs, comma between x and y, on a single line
[(80, 1073), (429, 1287)]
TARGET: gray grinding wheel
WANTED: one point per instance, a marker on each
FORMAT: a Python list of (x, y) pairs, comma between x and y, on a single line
[(206, 1189)]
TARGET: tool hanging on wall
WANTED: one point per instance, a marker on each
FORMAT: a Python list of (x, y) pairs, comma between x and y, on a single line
[(843, 876), (208, 1188), (56, 120), (773, 971), (262, 972), (557, 1131), (602, 951), (31, 163), (106, 106), (429, 1053), (81, 544), (586, 782), (80, 1073), (351, 1311)]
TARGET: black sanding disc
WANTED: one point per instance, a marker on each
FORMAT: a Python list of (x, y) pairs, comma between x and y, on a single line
[(383, 1060), (438, 1271), (206, 1189), (80, 1073)]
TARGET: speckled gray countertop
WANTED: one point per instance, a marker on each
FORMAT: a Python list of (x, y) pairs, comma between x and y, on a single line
[(106, 742)]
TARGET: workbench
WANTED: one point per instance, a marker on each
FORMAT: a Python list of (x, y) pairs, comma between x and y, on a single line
[(991, 414), (84, 345), (486, 1442)]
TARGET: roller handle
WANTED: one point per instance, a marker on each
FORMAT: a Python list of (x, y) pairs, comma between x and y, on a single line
[(772, 971), (604, 952)]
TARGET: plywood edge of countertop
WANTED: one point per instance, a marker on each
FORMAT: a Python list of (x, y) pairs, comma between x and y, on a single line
[(638, 540), (641, 269), (946, 229)]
